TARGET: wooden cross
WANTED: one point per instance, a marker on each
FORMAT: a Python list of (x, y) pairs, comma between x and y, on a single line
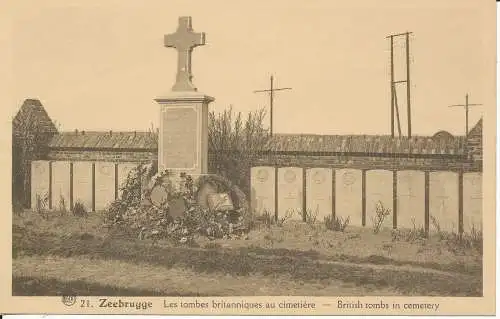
[(184, 40)]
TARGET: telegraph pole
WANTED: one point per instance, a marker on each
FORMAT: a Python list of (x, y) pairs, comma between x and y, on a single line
[(466, 106), (271, 100), (394, 99)]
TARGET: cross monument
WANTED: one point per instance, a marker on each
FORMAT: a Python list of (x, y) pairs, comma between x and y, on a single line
[(183, 135), (184, 40)]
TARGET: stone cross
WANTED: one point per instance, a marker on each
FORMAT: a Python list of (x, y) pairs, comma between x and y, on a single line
[(184, 40)]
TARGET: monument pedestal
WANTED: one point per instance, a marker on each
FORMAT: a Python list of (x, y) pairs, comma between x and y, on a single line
[(183, 135)]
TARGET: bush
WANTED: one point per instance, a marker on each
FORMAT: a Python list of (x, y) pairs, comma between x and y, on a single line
[(146, 221), (336, 223)]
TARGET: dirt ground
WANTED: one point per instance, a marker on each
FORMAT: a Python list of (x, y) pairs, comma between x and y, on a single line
[(65, 253)]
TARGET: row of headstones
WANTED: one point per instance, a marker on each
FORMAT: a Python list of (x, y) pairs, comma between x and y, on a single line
[(354, 193), (95, 185)]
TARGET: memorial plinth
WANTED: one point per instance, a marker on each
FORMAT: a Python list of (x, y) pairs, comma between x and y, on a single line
[(183, 137)]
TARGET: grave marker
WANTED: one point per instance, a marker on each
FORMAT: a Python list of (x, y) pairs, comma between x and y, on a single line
[(82, 184), (473, 201), (411, 199), (348, 195), (290, 199), (263, 197), (40, 180), (443, 201), (319, 192), (61, 185), (183, 138), (104, 184), (378, 190)]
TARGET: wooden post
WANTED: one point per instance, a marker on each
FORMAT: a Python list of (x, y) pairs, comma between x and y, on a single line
[(50, 184), (116, 181), (93, 187), (395, 199), (333, 193), (392, 86), (408, 85), (363, 197), (460, 202), (427, 217), (276, 193), (304, 197), (71, 201)]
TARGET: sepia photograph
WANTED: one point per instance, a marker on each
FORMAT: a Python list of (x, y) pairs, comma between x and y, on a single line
[(260, 149)]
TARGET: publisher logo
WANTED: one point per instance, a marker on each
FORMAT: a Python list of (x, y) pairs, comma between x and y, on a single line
[(69, 300)]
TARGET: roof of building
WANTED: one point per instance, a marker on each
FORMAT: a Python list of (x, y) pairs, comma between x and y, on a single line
[(104, 140), (33, 117), (477, 129), (365, 144), (278, 143)]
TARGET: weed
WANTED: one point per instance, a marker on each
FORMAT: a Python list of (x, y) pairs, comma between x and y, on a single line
[(79, 209), (266, 218), (41, 205), (380, 214), (337, 223), (311, 216), (283, 219), (435, 223), (62, 205), (409, 235)]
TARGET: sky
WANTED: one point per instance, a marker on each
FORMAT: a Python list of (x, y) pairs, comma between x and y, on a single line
[(99, 65)]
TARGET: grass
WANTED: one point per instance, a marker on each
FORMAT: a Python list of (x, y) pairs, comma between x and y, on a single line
[(302, 260)]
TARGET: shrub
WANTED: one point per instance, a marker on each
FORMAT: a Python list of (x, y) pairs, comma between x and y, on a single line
[(336, 223), (380, 214)]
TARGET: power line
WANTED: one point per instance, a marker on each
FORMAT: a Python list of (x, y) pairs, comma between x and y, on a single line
[(394, 100), (466, 106), (271, 91)]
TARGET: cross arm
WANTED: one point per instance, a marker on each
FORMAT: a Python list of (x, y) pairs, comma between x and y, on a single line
[(280, 89), (463, 105)]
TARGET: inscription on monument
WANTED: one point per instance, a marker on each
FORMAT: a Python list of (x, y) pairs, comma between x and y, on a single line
[(180, 138)]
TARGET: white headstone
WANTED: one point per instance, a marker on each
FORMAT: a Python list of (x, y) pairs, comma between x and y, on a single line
[(443, 200), (319, 192), (123, 171), (40, 180), (411, 199), (290, 190), (82, 184), (473, 201), (104, 184), (348, 195), (379, 190), (263, 195), (61, 185)]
